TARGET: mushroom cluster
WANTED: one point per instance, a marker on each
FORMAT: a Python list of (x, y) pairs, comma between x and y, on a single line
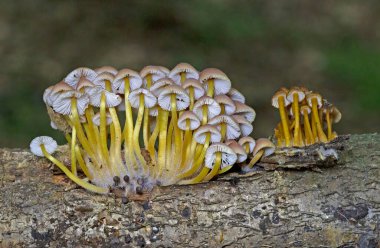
[(192, 124), (306, 118)]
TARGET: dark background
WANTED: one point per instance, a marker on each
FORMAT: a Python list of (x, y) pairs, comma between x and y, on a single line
[(329, 46)]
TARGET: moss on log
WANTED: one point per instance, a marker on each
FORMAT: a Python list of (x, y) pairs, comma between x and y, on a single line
[(326, 206)]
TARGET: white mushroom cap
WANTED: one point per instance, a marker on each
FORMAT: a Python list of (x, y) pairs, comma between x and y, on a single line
[(236, 96), (49, 143), (188, 116), (153, 111), (265, 144), (245, 110), (52, 93), (200, 134), (155, 71), (229, 106), (73, 77), (96, 119), (248, 140), (199, 91), (182, 99), (106, 68), (163, 69), (101, 79), (112, 100), (313, 95), (135, 81), (239, 150), (46, 95), (232, 128), (213, 108), (222, 83), (62, 104), (190, 71), (277, 95), (159, 85), (229, 157), (305, 107), (53, 125), (246, 127), (295, 90), (149, 99)]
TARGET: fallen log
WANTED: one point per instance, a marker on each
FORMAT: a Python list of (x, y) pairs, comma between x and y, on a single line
[(299, 199)]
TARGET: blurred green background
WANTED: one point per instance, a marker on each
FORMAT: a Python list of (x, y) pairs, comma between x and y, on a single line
[(329, 46)]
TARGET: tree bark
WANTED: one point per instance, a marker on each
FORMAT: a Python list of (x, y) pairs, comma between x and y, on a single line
[(333, 202)]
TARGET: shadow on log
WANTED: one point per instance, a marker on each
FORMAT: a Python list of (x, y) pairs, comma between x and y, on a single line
[(332, 206)]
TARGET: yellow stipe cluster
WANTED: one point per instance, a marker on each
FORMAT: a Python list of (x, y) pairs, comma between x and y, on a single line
[(306, 118), (188, 122)]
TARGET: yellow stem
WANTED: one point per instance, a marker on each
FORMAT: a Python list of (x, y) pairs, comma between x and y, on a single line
[(192, 97), (183, 76), (329, 128), (198, 178), (73, 158), (210, 87), (204, 114), (297, 119), (177, 132), (136, 132), (70, 175), (321, 135), (215, 168), (152, 142), (223, 131), (82, 164), (308, 130), (285, 128), (163, 122), (103, 129), (256, 158)]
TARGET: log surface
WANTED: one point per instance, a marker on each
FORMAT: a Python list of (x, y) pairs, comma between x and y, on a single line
[(334, 206)]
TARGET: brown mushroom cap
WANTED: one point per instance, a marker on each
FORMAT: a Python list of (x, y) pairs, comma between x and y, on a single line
[(101, 79), (190, 71), (236, 96), (265, 144), (314, 95), (246, 127), (276, 97), (336, 114), (222, 83), (246, 111), (295, 90), (106, 68), (239, 150), (227, 102), (248, 140)]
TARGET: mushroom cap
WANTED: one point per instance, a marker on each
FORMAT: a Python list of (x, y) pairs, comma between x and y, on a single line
[(304, 89), (229, 157), (232, 128), (277, 95), (293, 91), (149, 99), (46, 96), (313, 95), (49, 143), (112, 100), (62, 104), (175, 73), (182, 99), (84, 83), (248, 140), (246, 111), (335, 114), (305, 107), (164, 69), (73, 77), (213, 108), (155, 71), (199, 91), (101, 79), (153, 111), (222, 83), (265, 144), (53, 125), (188, 116), (96, 119), (239, 151), (200, 134), (159, 85), (236, 96), (246, 127), (61, 87), (229, 105), (106, 68), (118, 84)]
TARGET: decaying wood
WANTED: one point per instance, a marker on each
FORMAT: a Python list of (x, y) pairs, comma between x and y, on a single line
[(335, 206)]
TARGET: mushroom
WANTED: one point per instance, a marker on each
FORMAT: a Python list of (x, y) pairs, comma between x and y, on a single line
[(76, 75), (236, 96), (315, 101), (246, 127), (333, 115), (140, 98), (226, 104), (218, 156), (151, 74), (45, 146), (305, 111), (109, 69), (182, 71), (294, 96), (227, 126), (203, 136), (215, 81), (239, 151), (246, 111), (194, 89), (280, 101), (264, 147), (206, 108)]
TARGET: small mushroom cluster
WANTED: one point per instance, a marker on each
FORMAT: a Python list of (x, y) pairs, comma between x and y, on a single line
[(192, 124), (306, 118)]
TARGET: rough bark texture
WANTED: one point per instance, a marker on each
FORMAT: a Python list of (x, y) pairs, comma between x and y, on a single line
[(334, 206)]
